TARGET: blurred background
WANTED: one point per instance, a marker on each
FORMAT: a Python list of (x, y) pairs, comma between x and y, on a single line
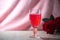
[(14, 14)]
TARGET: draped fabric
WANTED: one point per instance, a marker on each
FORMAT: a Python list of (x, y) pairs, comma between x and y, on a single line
[(14, 14)]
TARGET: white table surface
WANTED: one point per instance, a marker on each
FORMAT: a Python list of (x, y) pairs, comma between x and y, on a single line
[(24, 35)]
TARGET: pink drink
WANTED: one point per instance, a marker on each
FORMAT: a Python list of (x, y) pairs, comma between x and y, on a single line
[(35, 20)]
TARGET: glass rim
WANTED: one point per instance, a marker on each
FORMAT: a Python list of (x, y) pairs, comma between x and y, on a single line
[(35, 12)]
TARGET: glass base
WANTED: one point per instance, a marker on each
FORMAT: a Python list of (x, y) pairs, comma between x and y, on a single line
[(36, 38)]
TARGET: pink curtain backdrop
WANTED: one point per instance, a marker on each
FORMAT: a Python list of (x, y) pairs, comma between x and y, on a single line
[(14, 14)]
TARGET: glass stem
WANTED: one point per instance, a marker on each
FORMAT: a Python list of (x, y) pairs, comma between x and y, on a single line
[(35, 32)]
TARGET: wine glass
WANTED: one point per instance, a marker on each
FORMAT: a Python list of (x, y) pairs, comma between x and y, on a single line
[(35, 19)]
